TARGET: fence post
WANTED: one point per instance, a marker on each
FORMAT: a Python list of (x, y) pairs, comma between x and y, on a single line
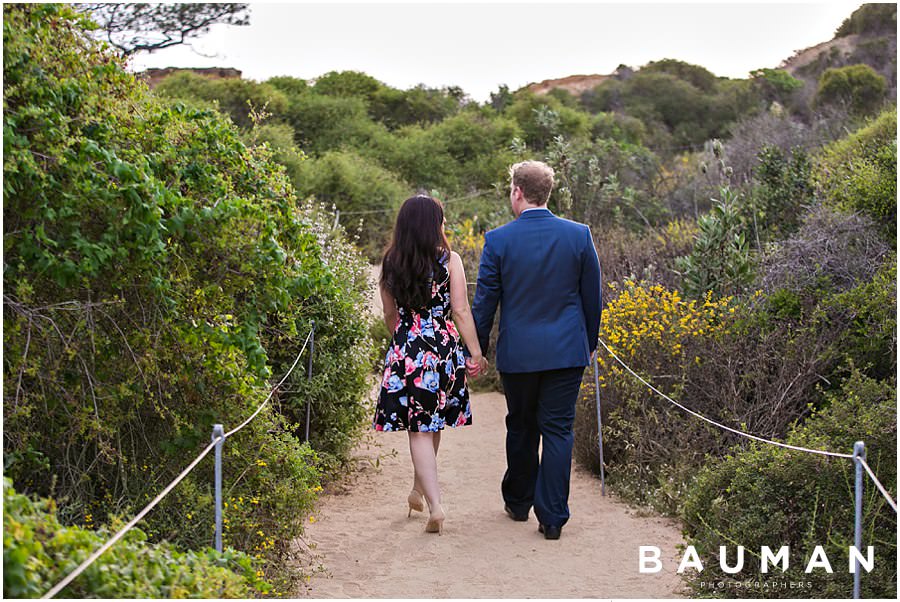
[(594, 359), (859, 451), (218, 435), (312, 346)]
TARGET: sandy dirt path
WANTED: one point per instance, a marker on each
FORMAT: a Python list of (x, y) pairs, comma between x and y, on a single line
[(365, 546)]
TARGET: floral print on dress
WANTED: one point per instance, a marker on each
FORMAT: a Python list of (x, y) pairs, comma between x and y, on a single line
[(423, 386)]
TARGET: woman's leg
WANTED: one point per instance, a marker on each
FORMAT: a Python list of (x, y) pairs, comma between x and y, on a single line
[(422, 449), (436, 440)]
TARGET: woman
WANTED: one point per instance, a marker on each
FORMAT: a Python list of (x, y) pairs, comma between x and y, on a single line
[(426, 308)]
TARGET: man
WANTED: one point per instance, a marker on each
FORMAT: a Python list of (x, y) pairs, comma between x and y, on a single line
[(544, 273)]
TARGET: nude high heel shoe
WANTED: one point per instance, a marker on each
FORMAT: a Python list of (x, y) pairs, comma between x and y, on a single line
[(435, 522), (416, 502)]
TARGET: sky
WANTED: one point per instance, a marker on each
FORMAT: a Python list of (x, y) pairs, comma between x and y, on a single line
[(479, 46)]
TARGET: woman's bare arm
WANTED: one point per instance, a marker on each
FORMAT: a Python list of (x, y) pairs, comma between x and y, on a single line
[(391, 315), (462, 313)]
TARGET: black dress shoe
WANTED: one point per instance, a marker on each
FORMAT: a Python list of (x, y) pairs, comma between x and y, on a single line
[(516, 517), (550, 532)]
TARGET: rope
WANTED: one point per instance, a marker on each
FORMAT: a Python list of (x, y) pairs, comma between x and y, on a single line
[(81, 567), (90, 560), (713, 422), (281, 382), (878, 484)]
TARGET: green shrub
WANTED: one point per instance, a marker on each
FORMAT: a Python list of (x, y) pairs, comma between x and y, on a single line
[(859, 172), (720, 260), (869, 19), (604, 183), (543, 117), (157, 273), (767, 495), (783, 189), (38, 552), (352, 184), (348, 84), (322, 123), (234, 97), (419, 105), (857, 87)]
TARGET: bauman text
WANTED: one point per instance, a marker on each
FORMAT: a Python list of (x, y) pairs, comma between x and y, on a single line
[(649, 559)]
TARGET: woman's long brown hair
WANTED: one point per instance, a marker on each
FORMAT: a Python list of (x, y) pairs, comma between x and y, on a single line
[(416, 246)]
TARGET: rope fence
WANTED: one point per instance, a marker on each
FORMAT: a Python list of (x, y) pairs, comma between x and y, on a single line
[(858, 456), (217, 440), (219, 437)]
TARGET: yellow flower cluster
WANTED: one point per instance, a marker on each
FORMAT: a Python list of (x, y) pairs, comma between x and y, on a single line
[(650, 321)]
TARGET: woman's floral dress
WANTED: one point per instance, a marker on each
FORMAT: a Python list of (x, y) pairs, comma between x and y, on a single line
[(423, 387)]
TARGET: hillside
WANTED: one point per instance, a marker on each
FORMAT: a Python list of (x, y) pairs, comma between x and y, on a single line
[(875, 46)]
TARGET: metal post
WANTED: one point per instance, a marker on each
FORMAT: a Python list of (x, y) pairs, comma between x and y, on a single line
[(218, 435), (859, 452), (599, 423), (337, 217), (312, 346)]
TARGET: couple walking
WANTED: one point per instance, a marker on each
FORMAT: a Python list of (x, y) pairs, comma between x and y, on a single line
[(544, 274)]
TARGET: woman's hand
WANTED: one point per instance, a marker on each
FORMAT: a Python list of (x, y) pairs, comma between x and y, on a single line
[(475, 365)]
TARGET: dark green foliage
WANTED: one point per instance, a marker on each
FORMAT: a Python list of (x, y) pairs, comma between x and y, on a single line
[(618, 127), (776, 84), (687, 101), (544, 117), (38, 552), (873, 18), (857, 87), (348, 84), (720, 260), (420, 105), (157, 273), (603, 183), (859, 172), (234, 97), (365, 193), (766, 495), (782, 192), (322, 123), (695, 75), (291, 86)]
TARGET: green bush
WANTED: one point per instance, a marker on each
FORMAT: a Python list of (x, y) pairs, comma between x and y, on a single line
[(359, 187), (870, 19), (783, 189), (720, 260), (322, 123), (38, 552), (857, 87), (348, 84), (543, 117), (234, 97), (604, 183), (419, 105), (157, 273), (618, 127), (767, 495), (859, 172)]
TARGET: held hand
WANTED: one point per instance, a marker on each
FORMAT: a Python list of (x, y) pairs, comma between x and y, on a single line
[(475, 365)]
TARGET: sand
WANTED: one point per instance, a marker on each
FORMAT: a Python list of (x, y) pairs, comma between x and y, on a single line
[(362, 545)]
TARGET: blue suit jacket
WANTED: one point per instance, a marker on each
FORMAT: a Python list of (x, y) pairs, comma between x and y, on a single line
[(544, 273)]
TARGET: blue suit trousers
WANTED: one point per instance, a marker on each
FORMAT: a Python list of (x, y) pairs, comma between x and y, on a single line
[(540, 411)]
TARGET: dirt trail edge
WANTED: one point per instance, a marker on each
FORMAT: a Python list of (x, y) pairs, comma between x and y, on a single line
[(365, 546)]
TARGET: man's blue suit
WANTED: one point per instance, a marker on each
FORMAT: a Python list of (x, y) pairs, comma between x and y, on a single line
[(544, 274)]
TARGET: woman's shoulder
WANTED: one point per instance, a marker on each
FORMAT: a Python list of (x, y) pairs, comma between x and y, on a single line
[(453, 258)]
